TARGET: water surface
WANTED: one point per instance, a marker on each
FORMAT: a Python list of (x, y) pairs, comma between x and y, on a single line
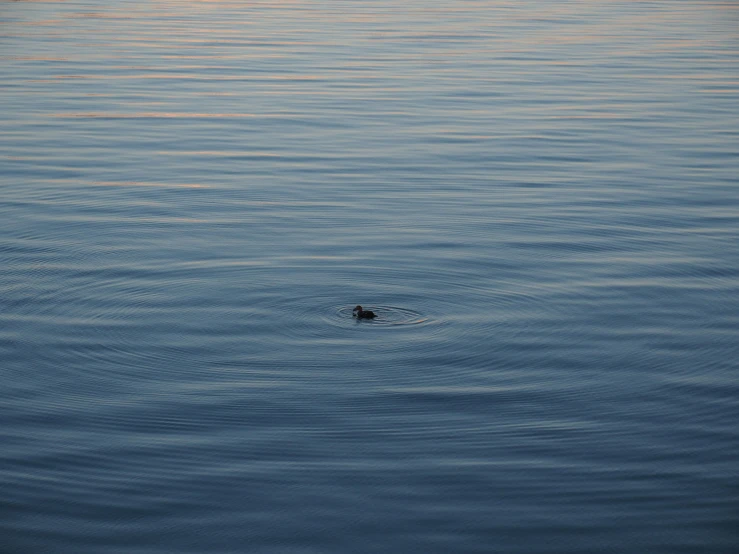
[(538, 198)]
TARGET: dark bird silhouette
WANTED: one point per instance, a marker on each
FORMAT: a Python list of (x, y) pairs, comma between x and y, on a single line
[(359, 313)]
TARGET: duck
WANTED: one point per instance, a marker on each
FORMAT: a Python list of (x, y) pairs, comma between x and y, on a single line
[(359, 313)]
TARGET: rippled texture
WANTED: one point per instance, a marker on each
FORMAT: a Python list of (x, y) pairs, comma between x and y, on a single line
[(539, 198)]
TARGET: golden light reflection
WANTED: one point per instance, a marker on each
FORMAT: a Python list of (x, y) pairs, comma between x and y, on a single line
[(34, 58), (161, 115), (177, 76)]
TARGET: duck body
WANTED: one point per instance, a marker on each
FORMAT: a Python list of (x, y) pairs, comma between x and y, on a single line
[(360, 313)]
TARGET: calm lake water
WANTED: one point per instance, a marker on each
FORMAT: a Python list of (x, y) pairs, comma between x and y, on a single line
[(539, 199)]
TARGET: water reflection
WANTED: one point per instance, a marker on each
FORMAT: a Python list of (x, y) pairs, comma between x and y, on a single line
[(537, 198)]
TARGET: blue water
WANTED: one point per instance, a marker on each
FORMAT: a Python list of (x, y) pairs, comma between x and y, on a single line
[(538, 198)]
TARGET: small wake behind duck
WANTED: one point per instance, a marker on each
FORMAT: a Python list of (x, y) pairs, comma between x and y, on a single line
[(384, 316)]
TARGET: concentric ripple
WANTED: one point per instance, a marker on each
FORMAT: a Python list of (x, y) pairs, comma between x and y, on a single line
[(387, 316)]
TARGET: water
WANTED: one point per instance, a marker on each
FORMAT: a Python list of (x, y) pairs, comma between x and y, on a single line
[(538, 198)]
